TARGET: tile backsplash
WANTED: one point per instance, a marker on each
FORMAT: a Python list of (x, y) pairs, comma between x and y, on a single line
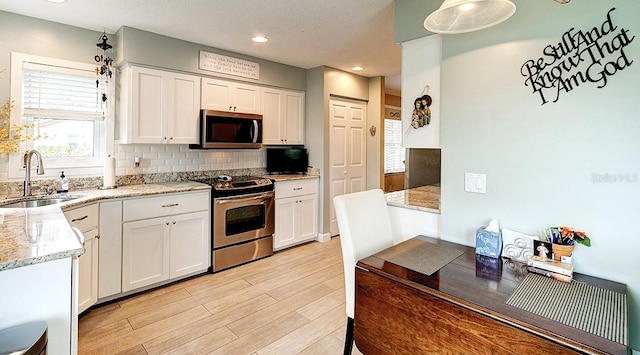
[(158, 163), (171, 158)]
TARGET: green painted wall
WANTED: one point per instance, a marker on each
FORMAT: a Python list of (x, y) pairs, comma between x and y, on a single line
[(574, 162)]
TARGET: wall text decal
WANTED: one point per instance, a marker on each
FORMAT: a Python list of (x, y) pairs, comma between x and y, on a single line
[(580, 57), (229, 65)]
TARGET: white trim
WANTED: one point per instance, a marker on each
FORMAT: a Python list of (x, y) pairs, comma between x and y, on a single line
[(103, 129)]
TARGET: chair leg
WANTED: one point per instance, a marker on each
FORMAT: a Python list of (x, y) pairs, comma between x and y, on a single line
[(348, 339)]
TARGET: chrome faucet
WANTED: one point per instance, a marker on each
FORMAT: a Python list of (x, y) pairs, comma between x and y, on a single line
[(27, 167)]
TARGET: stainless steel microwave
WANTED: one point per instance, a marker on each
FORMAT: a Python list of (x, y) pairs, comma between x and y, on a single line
[(220, 129)]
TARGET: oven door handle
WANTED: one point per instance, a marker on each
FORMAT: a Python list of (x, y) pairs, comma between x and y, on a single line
[(253, 197)]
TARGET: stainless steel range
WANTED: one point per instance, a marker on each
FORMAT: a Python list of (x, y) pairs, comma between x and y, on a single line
[(242, 220)]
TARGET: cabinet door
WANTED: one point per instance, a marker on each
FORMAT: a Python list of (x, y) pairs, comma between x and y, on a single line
[(283, 117), (183, 108), (145, 252), (307, 217), (285, 226), (230, 96), (216, 95), (294, 122), (272, 111), (110, 253), (190, 243), (148, 106), (88, 271), (246, 98)]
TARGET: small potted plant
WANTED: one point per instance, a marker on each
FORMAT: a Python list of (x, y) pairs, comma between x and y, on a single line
[(564, 240)]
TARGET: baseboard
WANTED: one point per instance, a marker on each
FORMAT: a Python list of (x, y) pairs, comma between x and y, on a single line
[(323, 237)]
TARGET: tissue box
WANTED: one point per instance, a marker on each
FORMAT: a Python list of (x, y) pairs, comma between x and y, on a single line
[(488, 243)]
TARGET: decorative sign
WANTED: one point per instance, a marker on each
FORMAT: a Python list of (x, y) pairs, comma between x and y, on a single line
[(580, 57), (421, 115), (229, 65)]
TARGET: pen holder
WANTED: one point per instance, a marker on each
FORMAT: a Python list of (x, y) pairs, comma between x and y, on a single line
[(488, 243)]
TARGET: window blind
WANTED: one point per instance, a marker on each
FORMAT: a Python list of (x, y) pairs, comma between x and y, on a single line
[(394, 153), (62, 93)]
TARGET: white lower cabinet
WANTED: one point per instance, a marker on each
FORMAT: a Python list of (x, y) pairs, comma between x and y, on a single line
[(88, 271), (145, 253), (110, 254), (296, 212), (164, 237), (85, 219)]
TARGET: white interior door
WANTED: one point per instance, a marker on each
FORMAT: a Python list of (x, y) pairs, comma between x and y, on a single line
[(348, 150)]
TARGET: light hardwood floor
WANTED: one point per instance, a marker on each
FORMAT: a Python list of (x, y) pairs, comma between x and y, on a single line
[(290, 303)]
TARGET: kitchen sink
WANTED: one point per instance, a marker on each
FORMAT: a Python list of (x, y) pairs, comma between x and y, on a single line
[(38, 201)]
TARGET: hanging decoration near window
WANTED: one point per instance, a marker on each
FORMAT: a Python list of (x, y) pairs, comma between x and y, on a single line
[(105, 62), (580, 57), (421, 115)]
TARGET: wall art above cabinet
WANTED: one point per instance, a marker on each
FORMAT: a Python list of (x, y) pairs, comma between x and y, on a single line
[(158, 107), (222, 95)]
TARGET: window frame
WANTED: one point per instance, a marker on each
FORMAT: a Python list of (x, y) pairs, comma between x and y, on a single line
[(72, 166), (384, 144)]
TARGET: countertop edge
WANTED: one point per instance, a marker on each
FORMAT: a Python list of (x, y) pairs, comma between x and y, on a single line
[(85, 197)]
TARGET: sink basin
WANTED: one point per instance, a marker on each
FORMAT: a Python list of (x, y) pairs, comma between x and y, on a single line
[(38, 202)]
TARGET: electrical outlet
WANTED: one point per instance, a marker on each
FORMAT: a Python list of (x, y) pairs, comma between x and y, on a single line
[(475, 183)]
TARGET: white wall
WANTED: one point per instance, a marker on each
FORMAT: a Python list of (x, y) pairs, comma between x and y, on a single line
[(546, 165)]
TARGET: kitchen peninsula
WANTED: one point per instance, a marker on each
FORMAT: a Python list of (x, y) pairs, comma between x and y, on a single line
[(414, 211)]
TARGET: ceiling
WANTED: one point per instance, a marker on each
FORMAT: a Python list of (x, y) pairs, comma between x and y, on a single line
[(303, 33)]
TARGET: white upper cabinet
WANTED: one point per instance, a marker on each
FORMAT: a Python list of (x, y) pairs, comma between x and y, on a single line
[(230, 96), (283, 116), (158, 106)]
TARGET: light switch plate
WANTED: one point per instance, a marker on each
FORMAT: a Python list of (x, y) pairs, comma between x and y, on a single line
[(475, 183)]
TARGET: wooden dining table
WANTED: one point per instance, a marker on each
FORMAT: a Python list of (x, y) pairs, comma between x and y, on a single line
[(461, 308)]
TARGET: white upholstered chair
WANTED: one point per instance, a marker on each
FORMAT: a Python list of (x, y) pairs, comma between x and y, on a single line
[(365, 229)]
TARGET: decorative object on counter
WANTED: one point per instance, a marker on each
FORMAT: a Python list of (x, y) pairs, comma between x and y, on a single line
[(550, 268), (421, 115), (564, 240), (462, 16), (542, 249), (64, 183), (103, 70), (109, 176), (516, 245), (489, 240)]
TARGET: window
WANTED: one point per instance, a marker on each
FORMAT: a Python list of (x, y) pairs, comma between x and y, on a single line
[(61, 100), (394, 153)]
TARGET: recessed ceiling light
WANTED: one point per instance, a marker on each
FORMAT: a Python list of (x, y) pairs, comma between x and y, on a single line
[(260, 39), (357, 68), (57, 1)]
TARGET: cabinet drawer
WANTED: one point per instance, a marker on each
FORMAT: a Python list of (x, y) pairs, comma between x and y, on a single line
[(84, 218), (164, 205), (286, 189)]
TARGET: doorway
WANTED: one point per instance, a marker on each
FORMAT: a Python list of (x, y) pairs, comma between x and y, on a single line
[(348, 150)]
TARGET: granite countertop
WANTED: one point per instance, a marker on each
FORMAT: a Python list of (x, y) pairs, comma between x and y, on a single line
[(422, 198), (36, 235)]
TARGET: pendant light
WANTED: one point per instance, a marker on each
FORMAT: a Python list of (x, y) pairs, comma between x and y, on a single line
[(461, 16)]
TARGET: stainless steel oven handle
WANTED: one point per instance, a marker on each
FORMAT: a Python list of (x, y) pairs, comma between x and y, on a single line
[(242, 198)]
